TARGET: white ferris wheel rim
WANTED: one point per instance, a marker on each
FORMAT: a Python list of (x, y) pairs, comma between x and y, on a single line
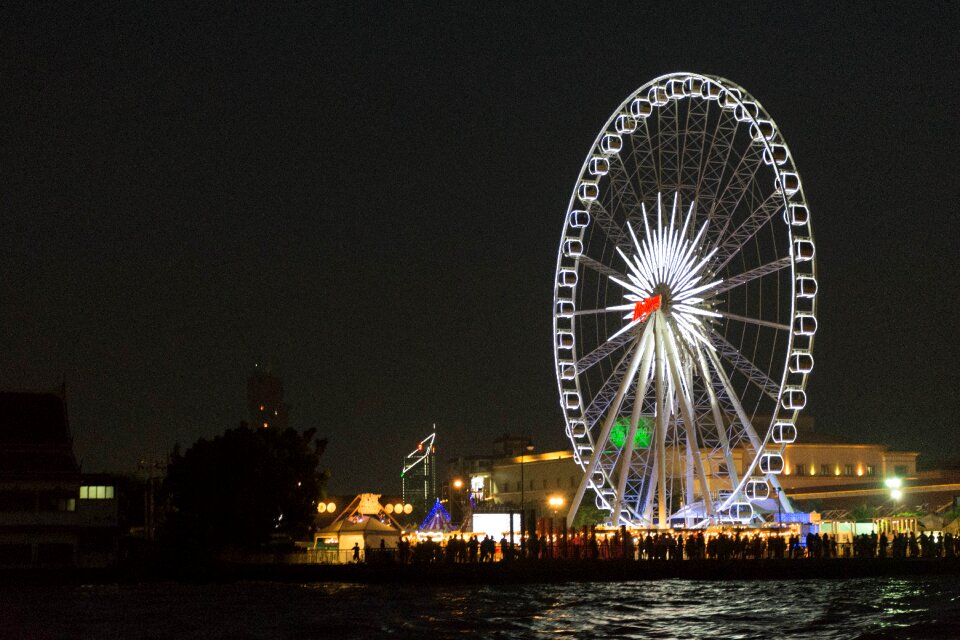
[(765, 138)]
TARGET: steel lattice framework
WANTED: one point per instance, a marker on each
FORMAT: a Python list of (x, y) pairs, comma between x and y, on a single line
[(685, 308)]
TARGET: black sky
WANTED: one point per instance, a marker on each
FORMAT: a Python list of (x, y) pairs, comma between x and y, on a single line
[(370, 197)]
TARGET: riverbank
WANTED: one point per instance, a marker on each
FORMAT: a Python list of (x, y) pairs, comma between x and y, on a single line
[(552, 571)]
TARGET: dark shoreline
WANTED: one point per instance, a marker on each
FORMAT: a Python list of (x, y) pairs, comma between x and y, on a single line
[(550, 571)]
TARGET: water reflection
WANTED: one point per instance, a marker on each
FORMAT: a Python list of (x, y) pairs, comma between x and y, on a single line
[(865, 608)]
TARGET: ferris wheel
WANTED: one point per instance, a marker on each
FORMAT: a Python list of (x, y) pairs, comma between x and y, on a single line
[(684, 308)]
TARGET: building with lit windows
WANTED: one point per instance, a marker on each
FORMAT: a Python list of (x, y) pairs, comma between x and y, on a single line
[(818, 466), (50, 514)]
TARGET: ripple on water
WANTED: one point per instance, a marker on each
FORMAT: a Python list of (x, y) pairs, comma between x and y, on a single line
[(862, 608)]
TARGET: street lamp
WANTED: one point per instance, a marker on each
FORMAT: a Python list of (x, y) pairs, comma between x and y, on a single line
[(555, 503), (456, 500), (894, 485)]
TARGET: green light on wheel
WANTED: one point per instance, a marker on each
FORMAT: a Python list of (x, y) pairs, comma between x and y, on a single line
[(618, 434)]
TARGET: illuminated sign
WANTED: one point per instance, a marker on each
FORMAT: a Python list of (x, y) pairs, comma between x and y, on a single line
[(496, 525), (618, 434), (645, 307)]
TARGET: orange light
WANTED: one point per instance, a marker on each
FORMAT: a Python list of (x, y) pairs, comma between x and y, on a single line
[(261, 407), (265, 425)]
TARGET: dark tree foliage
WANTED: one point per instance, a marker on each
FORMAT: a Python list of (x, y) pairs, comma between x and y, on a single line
[(589, 514), (238, 489)]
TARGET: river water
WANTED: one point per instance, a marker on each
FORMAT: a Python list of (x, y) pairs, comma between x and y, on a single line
[(862, 608)]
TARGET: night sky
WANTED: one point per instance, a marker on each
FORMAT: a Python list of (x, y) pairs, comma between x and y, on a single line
[(368, 198)]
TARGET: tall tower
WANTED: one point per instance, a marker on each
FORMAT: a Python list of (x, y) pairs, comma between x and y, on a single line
[(419, 476), (265, 400)]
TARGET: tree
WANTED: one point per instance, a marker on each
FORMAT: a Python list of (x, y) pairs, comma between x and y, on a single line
[(238, 489), (862, 513), (590, 514)]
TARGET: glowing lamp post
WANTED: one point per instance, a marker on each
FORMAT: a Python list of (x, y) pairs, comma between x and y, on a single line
[(555, 503), (524, 449), (457, 499), (894, 485)]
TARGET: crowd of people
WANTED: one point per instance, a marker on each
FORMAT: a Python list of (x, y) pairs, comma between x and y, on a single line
[(653, 545)]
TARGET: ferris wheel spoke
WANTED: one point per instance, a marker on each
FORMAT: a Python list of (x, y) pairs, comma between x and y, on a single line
[(751, 275), (753, 373), (721, 148), (762, 323), (731, 246), (611, 228), (735, 189), (602, 399), (596, 312), (599, 267), (605, 350), (622, 189), (692, 147)]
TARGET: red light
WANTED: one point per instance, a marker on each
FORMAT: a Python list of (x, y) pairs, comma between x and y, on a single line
[(645, 307), (420, 447)]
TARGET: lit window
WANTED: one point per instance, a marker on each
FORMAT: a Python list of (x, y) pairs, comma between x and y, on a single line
[(95, 493), (871, 470)]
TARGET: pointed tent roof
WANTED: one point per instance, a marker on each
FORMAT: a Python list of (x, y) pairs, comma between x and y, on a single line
[(437, 520), (359, 524)]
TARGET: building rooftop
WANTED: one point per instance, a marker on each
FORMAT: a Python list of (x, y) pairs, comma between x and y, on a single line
[(35, 435)]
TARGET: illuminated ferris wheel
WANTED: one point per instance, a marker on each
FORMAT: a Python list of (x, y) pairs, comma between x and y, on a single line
[(684, 308)]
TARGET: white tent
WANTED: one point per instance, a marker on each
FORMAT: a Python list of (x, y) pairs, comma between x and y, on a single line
[(365, 531)]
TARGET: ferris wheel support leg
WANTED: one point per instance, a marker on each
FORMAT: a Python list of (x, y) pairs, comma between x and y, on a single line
[(647, 511), (718, 420), (750, 431), (659, 365), (686, 409), (601, 442), (626, 458)]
